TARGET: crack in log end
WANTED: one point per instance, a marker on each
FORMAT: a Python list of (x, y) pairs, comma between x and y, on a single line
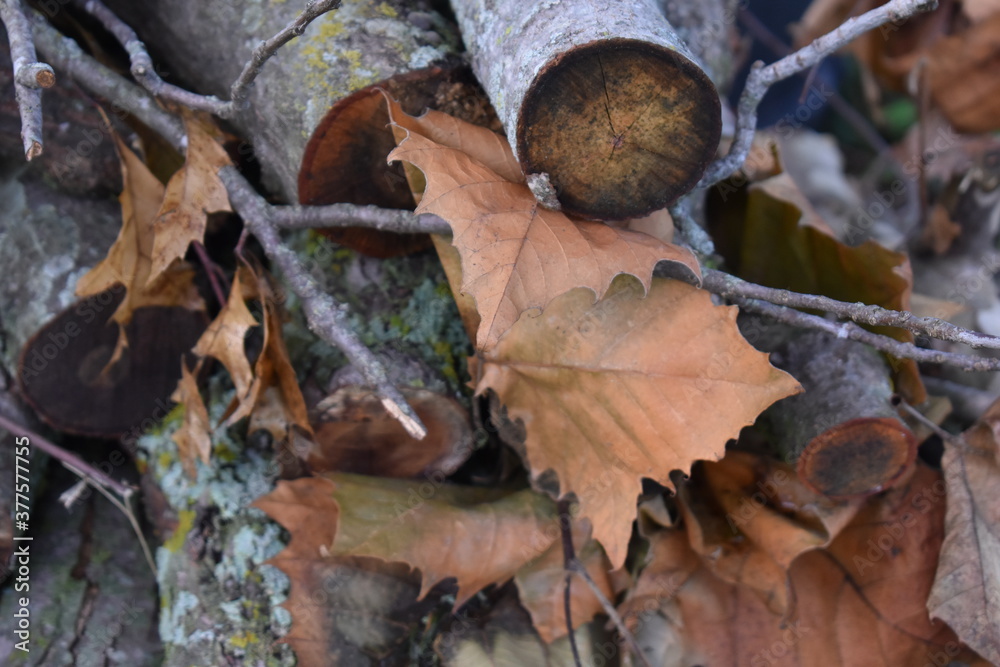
[(622, 127)]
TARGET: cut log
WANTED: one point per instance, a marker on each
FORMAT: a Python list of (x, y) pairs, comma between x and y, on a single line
[(601, 101), (842, 431)]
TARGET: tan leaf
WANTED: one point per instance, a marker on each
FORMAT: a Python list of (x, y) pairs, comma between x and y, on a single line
[(224, 339), (129, 260), (859, 601), (541, 584), (191, 194), (626, 388), (193, 438), (479, 536), (966, 592), (515, 254)]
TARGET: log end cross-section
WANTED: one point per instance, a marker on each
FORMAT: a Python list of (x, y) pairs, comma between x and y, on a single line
[(621, 127)]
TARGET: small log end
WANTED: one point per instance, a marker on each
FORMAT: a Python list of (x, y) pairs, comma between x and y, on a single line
[(622, 128)]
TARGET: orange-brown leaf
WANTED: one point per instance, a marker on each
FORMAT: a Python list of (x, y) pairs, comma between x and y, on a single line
[(191, 194), (966, 592), (515, 254), (859, 601), (224, 339), (626, 388), (479, 536)]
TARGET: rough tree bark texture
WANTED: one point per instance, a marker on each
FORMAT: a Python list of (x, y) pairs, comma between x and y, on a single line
[(204, 44), (603, 103)]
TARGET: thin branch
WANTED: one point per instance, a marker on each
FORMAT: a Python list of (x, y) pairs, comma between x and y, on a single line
[(100, 81), (30, 76), (761, 78), (241, 87), (730, 286), (569, 557), (327, 318), (68, 458), (143, 70), (354, 215), (852, 331), (577, 567)]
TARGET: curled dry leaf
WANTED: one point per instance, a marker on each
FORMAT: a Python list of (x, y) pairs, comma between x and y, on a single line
[(626, 388), (859, 601), (515, 255), (191, 194), (129, 260), (966, 592), (749, 517), (193, 438)]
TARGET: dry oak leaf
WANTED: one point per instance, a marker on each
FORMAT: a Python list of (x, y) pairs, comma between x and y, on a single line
[(749, 517), (966, 593), (191, 194), (626, 388), (859, 601), (515, 254), (193, 438), (344, 609), (129, 260), (479, 536)]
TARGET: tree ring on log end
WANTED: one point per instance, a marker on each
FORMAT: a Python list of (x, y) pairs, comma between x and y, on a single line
[(622, 127)]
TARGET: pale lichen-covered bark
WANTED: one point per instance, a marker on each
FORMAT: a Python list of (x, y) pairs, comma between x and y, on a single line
[(204, 44)]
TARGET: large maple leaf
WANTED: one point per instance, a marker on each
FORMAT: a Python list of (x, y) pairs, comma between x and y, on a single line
[(516, 255), (626, 388)]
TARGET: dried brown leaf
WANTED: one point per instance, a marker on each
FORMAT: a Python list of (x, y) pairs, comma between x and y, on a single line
[(966, 592), (224, 339), (191, 194), (129, 261), (193, 438), (749, 517), (515, 254), (860, 601), (344, 610), (626, 388), (479, 536)]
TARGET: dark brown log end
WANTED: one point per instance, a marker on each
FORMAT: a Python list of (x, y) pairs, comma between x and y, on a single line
[(858, 458), (345, 159), (622, 128), (60, 368)]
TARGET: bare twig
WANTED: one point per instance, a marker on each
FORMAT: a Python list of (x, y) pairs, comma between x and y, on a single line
[(327, 318), (569, 557), (98, 80), (578, 568), (852, 331), (30, 76), (761, 78), (353, 215), (145, 73), (68, 458), (730, 286)]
